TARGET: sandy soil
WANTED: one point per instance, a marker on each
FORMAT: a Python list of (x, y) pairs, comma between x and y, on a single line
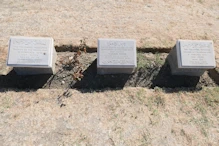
[(153, 23), (128, 117), (109, 117)]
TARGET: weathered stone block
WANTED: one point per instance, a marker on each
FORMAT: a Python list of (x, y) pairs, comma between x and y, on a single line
[(116, 56), (32, 55), (192, 57)]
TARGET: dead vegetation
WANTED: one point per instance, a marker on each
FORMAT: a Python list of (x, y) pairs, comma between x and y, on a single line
[(110, 116), (132, 116), (73, 63)]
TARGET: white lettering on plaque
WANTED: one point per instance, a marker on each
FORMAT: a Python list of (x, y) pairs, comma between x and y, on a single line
[(197, 53), (117, 52), (30, 51)]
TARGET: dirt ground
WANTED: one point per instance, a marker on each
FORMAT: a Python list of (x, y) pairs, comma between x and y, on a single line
[(129, 117), (104, 110), (153, 70), (152, 23), (148, 108)]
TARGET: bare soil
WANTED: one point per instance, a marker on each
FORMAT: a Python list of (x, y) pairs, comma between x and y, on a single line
[(153, 70), (128, 117), (39, 110), (152, 23)]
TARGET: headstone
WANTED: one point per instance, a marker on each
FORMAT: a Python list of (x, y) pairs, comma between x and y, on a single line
[(192, 57), (116, 56), (32, 55)]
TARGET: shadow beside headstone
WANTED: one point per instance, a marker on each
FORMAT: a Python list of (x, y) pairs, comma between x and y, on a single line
[(165, 79), (93, 81), (214, 75), (12, 80)]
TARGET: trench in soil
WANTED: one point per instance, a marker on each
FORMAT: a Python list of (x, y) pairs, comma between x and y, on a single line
[(153, 71)]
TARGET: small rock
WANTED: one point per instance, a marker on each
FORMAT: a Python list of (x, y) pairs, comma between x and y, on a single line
[(36, 102), (70, 58), (63, 82)]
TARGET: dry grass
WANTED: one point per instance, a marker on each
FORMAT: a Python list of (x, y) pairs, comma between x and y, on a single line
[(134, 19), (133, 116)]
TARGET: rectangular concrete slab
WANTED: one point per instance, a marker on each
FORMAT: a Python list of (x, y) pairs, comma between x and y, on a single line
[(32, 55), (196, 54), (191, 58), (172, 60), (116, 56)]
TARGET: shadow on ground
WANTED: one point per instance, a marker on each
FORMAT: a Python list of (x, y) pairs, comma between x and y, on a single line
[(148, 76), (165, 79), (214, 75), (92, 80), (12, 80), (155, 73)]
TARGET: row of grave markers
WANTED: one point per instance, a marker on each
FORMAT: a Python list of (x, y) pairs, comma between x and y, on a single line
[(37, 55)]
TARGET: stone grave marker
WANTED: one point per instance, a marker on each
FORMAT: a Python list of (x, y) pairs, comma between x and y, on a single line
[(116, 56), (32, 55), (192, 57)]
